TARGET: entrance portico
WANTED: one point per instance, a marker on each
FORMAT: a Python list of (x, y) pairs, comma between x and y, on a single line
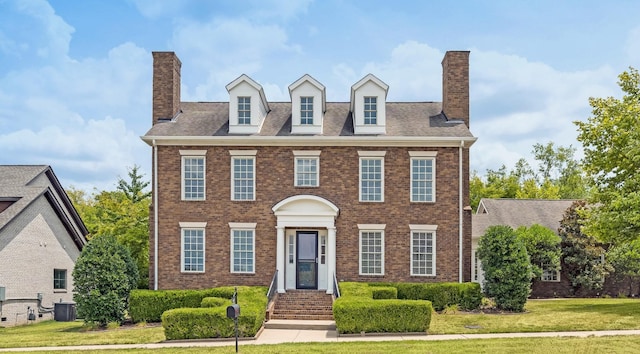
[(306, 243)]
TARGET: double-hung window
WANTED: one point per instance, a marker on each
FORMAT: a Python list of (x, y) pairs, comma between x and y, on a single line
[(423, 172), (307, 168), (193, 174), (423, 250), (243, 178), (306, 110), (244, 110), (243, 247), (59, 279), (549, 274), (192, 255), (371, 110), (371, 247), (371, 176)]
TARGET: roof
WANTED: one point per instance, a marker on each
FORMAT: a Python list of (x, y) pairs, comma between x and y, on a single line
[(21, 185), (403, 119), (518, 212)]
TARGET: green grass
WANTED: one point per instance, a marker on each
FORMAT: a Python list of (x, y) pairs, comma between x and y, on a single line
[(618, 344), (541, 316)]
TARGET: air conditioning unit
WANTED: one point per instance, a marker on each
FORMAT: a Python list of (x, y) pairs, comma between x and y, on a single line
[(64, 311)]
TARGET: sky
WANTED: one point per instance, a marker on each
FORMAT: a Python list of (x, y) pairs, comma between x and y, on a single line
[(75, 76)]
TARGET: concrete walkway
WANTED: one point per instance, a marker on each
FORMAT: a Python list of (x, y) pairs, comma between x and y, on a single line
[(277, 336)]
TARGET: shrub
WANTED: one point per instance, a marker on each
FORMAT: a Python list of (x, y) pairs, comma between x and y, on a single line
[(507, 268), (148, 305), (387, 292), (467, 295), (214, 302), (104, 275)]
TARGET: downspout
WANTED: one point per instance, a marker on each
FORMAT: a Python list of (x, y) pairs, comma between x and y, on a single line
[(155, 215), (460, 214)]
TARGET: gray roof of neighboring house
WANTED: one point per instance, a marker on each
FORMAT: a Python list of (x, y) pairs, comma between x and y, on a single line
[(19, 184), (518, 212), (402, 119)]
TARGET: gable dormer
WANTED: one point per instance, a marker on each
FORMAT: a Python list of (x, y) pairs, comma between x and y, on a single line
[(308, 104), (248, 106), (368, 98)]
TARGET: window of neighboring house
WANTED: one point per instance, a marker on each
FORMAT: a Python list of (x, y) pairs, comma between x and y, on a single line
[(244, 110), (59, 279), (193, 175), (476, 266), (243, 181), (423, 252), (242, 248), (192, 249), (370, 110), (550, 274), (422, 177), (306, 110), (371, 252), (371, 176)]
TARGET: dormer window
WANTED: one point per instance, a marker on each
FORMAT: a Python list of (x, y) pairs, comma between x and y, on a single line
[(248, 106), (306, 110), (244, 110), (370, 110), (308, 103), (368, 105)]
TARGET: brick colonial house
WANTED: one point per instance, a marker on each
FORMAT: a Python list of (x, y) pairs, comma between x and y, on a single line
[(364, 190)]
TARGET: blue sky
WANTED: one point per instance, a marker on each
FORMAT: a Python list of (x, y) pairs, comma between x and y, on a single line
[(75, 76)]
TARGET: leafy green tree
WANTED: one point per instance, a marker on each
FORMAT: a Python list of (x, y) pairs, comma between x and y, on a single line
[(625, 259), (104, 275), (134, 189), (611, 140), (507, 269), (543, 247), (583, 257)]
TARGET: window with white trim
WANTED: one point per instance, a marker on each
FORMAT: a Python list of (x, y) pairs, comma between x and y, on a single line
[(242, 248), (193, 174), (243, 180), (307, 168), (550, 275), (423, 252), (192, 243), (371, 176), (371, 247), (423, 176), (306, 110), (244, 110), (370, 110), (476, 265)]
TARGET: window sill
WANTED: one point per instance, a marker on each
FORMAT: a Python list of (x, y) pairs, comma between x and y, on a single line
[(59, 291)]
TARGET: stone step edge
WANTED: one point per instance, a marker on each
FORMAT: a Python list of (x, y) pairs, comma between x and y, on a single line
[(301, 324)]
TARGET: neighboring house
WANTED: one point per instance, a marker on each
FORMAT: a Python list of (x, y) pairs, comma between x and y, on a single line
[(516, 213), (41, 236), (364, 190)]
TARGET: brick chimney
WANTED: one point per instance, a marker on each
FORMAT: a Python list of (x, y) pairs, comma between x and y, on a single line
[(166, 85), (455, 85)]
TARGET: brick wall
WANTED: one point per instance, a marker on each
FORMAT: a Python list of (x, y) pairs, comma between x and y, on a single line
[(339, 181)]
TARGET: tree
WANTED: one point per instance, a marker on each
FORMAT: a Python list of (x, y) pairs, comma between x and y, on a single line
[(583, 258), (611, 140), (103, 277), (625, 260), (507, 269), (543, 247), (134, 189)]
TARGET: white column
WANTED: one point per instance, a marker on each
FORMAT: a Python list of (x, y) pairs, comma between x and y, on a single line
[(280, 264), (331, 254)]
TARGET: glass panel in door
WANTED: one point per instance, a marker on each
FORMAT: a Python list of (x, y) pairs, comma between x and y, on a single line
[(307, 260)]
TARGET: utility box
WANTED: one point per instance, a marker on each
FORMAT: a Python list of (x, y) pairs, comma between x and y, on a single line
[(3, 294), (233, 311), (64, 311)]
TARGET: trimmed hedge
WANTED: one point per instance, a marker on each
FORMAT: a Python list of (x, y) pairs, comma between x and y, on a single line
[(466, 295), (148, 305), (212, 322), (386, 292), (356, 310)]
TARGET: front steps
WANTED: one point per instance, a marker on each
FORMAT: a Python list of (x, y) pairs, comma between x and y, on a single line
[(303, 305)]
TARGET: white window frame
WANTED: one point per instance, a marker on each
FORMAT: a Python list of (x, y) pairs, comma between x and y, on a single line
[(243, 102), (549, 276), (424, 229), (237, 155), (196, 155), (372, 120), (306, 110), (306, 155), (423, 156), (371, 156), (192, 226), (242, 227), (370, 228)]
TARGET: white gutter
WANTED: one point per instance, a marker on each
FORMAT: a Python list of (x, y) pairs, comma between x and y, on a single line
[(155, 215), (460, 214)]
